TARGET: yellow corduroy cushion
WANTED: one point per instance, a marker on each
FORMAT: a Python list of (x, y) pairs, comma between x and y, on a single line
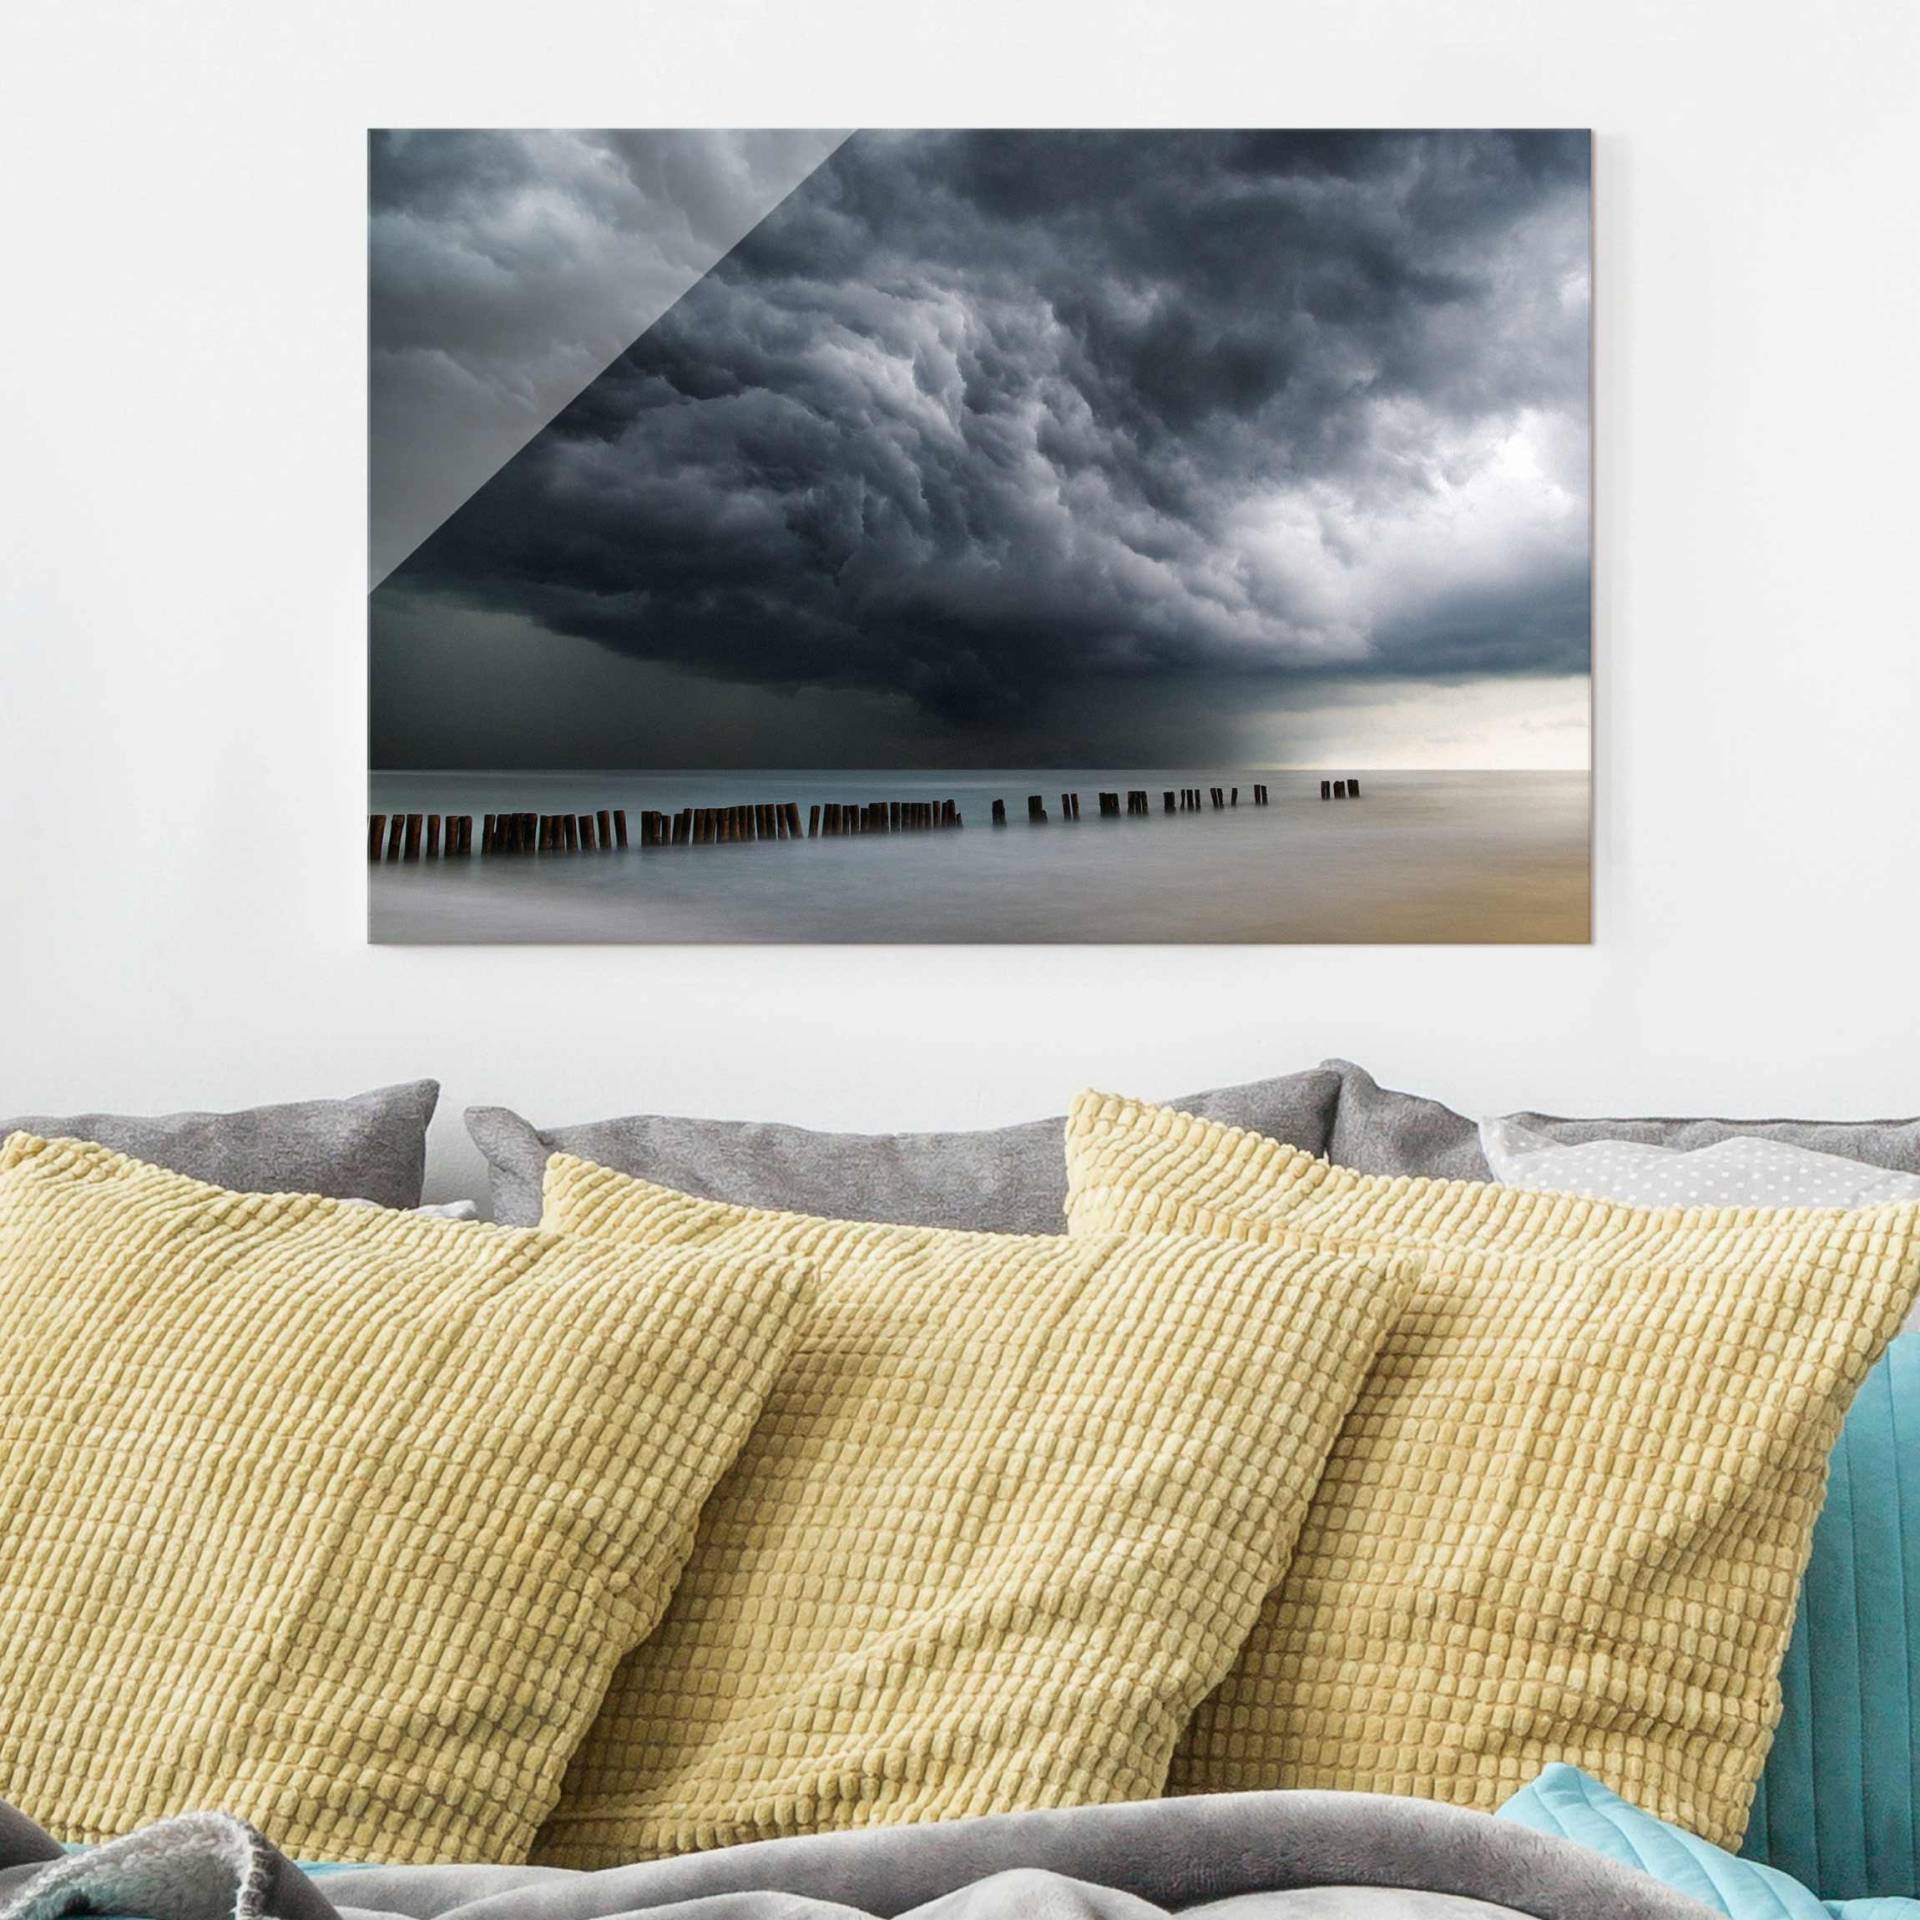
[(1567, 1518), (334, 1517), (1012, 1507)]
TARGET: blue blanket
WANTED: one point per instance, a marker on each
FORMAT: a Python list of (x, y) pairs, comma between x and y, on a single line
[(1575, 1806)]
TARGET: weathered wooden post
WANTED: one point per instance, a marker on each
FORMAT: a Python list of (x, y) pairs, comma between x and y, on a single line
[(1339, 789), (415, 822), (620, 828), (376, 835), (813, 821), (1036, 811), (1326, 789), (1353, 788), (999, 813)]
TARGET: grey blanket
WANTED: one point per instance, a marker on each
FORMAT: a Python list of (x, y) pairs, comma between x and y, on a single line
[(1255, 1856)]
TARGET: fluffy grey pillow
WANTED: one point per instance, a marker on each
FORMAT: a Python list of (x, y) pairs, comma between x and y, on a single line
[(372, 1146), (999, 1179), (1377, 1130)]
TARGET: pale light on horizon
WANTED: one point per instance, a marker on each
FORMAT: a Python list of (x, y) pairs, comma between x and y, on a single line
[(1533, 724)]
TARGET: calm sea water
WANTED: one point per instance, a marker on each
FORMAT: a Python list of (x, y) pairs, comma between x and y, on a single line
[(1420, 857)]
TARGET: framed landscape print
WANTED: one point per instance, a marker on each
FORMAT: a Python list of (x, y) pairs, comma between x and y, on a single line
[(980, 536)]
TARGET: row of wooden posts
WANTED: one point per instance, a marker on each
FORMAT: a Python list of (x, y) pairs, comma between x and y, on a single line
[(1139, 803), (413, 836), (780, 820), (407, 836)]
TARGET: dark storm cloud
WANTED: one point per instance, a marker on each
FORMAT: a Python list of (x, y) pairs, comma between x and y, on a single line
[(975, 419), (509, 268)]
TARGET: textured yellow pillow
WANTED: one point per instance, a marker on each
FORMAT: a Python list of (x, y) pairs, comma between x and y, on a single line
[(334, 1517), (1011, 1508), (1567, 1518)]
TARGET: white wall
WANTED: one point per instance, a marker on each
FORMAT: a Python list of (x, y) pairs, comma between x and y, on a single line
[(182, 369)]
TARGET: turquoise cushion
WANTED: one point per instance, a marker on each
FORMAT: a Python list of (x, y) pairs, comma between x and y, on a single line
[(1837, 1805), (1577, 1807)]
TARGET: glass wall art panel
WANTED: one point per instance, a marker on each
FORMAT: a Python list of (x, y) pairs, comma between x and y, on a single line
[(980, 536)]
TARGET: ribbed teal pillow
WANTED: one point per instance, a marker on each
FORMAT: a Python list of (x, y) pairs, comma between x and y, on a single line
[(1837, 1806), (1575, 1806)]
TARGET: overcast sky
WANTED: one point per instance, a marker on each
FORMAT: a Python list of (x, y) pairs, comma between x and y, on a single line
[(1081, 449)]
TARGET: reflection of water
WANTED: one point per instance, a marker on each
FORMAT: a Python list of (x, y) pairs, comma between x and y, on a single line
[(1423, 856)]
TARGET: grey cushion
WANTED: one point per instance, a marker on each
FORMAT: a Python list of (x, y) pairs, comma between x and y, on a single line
[(1000, 1179), (1376, 1130), (372, 1146), (1380, 1131)]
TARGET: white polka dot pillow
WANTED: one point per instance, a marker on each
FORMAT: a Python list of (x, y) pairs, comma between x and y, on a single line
[(1747, 1171)]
